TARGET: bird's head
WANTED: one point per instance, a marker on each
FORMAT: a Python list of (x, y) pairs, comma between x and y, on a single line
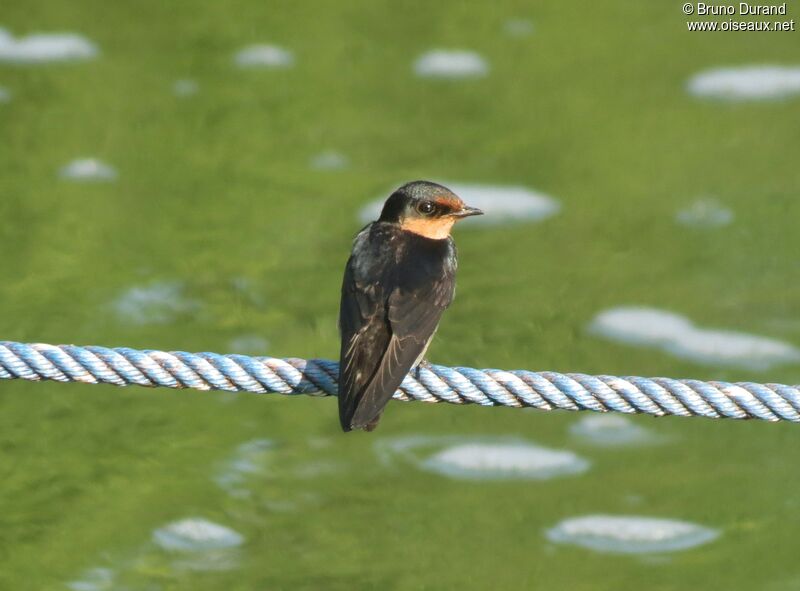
[(426, 208)]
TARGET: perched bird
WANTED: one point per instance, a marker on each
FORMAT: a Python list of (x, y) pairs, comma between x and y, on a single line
[(399, 280)]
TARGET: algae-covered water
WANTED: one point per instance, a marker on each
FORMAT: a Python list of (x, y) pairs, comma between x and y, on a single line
[(181, 175)]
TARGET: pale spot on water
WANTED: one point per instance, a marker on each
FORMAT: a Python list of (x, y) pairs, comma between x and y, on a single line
[(518, 27), (94, 579), (329, 160), (184, 88), (501, 204), (747, 83), (249, 458), (625, 534), (88, 170), (45, 47), (504, 461), (677, 335), (196, 534), (160, 302), (482, 458), (249, 344), (318, 443), (704, 213), (5, 95), (610, 430), (248, 290), (264, 56), (204, 545), (440, 63), (318, 468), (300, 501)]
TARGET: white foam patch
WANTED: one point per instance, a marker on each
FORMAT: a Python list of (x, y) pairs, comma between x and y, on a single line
[(504, 461), (185, 88), (625, 534), (704, 213), (196, 534), (675, 334), (501, 204), (329, 160), (747, 83), (498, 458), (5, 95), (88, 169), (45, 47), (610, 430), (200, 545), (264, 56), (441, 63), (159, 302), (248, 344), (518, 27)]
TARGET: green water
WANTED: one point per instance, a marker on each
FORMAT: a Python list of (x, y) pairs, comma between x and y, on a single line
[(215, 192)]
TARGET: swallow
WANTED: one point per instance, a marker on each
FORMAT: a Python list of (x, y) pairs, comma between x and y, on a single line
[(398, 281)]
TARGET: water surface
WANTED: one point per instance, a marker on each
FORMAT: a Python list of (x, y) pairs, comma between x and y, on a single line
[(224, 231)]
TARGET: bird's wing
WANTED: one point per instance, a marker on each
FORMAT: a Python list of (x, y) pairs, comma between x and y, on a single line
[(365, 335), (413, 315)]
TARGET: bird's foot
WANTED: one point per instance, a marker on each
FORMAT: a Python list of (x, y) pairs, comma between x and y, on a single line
[(424, 364)]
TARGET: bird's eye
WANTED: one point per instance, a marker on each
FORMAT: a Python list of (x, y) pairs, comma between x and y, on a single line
[(426, 207)]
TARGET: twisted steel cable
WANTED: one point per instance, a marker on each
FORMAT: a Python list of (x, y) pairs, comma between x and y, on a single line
[(544, 390)]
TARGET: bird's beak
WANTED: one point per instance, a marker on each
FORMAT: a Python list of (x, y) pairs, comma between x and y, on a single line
[(467, 211)]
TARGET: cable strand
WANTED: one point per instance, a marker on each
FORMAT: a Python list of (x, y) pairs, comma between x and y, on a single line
[(544, 390)]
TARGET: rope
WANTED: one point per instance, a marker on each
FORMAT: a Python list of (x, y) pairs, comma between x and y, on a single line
[(544, 390)]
